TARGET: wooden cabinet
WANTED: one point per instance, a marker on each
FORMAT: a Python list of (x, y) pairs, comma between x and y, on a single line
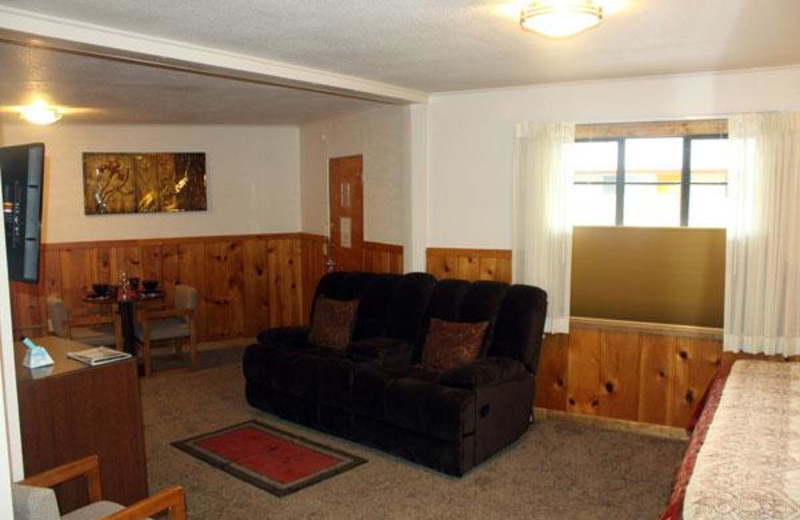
[(71, 410)]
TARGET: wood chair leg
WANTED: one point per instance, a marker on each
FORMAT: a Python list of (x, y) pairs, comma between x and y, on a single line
[(193, 339), (193, 352)]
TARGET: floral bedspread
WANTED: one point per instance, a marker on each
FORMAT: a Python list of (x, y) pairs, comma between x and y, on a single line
[(748, 467), (698, 427)]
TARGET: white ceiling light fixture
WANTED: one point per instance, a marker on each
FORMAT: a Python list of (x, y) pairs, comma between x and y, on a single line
[(40, 113), (561, 18)]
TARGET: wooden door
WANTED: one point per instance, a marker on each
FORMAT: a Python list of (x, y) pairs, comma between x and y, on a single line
[(347, 213)]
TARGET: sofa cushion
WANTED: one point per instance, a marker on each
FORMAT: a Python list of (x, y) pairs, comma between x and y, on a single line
[(370, 384), (484, 373), (342, 285), (282, 334), (446, 299), (374, 306), (258, 360), (451, 344), (482, 301), (388, 352), (332, 326), (334, 380), (519, 326), (291, 369), (408, 308), (414, 401), (296, 372)]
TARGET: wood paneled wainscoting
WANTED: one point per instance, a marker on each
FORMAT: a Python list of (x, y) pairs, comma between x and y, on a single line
[(645, 372), (314, 248), (635, 371), (378, 258), (246, 282), (383, 258), (470, 264)]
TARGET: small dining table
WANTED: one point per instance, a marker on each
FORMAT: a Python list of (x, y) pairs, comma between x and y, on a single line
[(125, 308)]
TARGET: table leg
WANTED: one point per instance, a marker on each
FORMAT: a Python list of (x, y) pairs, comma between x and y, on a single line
[(126, 317)]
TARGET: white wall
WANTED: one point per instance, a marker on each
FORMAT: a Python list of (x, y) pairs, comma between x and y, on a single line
[(11, 467), (382, 136), (6, 510), (252, 176), (471, 135)]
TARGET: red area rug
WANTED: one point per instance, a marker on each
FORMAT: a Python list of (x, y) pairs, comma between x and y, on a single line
[(274, 460)]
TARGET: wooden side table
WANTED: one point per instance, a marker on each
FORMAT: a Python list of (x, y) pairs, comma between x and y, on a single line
[(72, 410)]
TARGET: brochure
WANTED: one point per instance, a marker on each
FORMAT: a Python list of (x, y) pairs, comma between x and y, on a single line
[(98, 356)]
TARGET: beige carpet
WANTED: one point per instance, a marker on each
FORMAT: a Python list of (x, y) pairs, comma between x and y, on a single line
[(558, 470)]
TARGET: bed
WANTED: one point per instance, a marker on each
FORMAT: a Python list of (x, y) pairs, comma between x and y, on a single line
[(743, 458)]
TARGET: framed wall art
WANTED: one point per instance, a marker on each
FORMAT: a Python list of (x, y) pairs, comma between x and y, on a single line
[(143, 182)]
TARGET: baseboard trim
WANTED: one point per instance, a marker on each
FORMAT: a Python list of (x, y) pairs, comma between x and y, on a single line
[(606, 423), (205, 346)]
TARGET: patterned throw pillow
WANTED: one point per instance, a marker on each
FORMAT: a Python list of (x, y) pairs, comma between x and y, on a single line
[(450, 344), (333, 323)]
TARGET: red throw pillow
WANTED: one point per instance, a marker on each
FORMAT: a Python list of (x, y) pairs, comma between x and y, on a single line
[(450, 344), (333, 323)]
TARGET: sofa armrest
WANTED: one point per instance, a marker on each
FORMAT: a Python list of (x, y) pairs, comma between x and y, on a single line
[(485, 372), (277, 335), (388, 352)]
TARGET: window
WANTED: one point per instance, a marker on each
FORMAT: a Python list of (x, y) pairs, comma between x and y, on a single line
[(651, 181)]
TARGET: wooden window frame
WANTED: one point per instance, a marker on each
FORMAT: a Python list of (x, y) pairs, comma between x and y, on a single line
[(689, 131)]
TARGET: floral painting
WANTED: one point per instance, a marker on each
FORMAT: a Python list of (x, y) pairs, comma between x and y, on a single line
[(144, 182)]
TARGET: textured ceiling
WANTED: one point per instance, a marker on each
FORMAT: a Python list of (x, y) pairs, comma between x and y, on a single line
[(425, 45), (106, 91), (443, 45)]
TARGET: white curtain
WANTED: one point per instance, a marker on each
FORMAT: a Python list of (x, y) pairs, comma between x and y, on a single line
[(762, 282), (542, 234)]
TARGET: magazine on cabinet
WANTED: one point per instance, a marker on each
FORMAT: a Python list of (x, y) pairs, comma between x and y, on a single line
[(98, 356)]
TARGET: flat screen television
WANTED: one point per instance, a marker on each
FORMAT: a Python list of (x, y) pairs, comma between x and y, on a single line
[(22, 174)]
